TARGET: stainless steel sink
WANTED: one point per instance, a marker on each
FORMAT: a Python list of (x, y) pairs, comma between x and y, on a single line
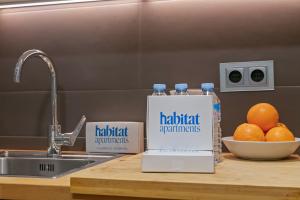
[(37, 164)]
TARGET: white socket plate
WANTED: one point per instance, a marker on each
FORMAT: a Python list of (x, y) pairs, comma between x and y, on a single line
[(245, 69)]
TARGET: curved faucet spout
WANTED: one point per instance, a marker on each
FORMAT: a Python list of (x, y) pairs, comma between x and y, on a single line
[(18, 70), (25, 56)]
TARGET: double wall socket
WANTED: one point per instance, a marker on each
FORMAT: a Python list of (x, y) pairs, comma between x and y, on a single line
[(247, 76)]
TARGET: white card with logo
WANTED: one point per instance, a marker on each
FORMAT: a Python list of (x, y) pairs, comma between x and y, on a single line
[(180, 122), (115, 137)]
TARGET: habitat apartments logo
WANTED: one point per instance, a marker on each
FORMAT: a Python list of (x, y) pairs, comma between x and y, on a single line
[(179, 123), (111, 135)]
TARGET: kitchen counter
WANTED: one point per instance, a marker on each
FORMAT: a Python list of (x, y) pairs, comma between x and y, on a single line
[(234, 179), (122, 179)]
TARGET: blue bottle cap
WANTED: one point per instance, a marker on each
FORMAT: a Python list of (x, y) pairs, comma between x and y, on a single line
[(207, 86), (181, 86), (159, 87)]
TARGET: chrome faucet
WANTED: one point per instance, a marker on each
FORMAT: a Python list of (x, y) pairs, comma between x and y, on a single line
[(56, 139)]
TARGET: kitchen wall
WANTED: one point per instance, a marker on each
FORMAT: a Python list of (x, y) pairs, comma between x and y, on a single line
[(108, 55)]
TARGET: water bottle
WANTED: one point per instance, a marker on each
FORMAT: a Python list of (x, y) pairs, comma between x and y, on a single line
[(159, 90), (181, 89), (208, 89)]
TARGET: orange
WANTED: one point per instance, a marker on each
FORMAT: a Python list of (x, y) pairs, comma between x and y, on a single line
[(248, 132), (263, 115), (281, 125), (279, 134)]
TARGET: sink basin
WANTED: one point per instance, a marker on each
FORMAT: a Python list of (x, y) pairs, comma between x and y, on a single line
[(37, 164)]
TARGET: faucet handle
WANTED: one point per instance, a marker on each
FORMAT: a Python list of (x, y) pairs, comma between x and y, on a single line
[(71, 137)]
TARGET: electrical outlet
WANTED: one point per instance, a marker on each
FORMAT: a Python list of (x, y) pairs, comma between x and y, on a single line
[(235, 76), (258, 76), (247, 76)]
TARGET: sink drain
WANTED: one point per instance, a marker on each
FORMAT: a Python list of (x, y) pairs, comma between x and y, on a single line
[(46, 167)]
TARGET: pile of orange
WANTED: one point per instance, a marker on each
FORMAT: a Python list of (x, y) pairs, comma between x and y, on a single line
[(263, 125)]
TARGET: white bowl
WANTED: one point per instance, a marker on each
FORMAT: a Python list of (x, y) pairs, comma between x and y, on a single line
[(261, 150)]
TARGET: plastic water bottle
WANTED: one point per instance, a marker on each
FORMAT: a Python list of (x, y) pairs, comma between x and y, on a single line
[(208, 89), (159, 90), (181, 89)]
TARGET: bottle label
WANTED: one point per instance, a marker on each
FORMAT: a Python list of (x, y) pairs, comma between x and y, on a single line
[(217, 107)]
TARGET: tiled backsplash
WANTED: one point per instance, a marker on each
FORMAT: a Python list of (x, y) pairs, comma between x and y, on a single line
[(108, 56)]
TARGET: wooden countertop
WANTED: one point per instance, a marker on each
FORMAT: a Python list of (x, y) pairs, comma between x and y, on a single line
[(122, 177), (234, 179)]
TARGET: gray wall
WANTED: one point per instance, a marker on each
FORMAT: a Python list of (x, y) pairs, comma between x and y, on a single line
[(108, 55)]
